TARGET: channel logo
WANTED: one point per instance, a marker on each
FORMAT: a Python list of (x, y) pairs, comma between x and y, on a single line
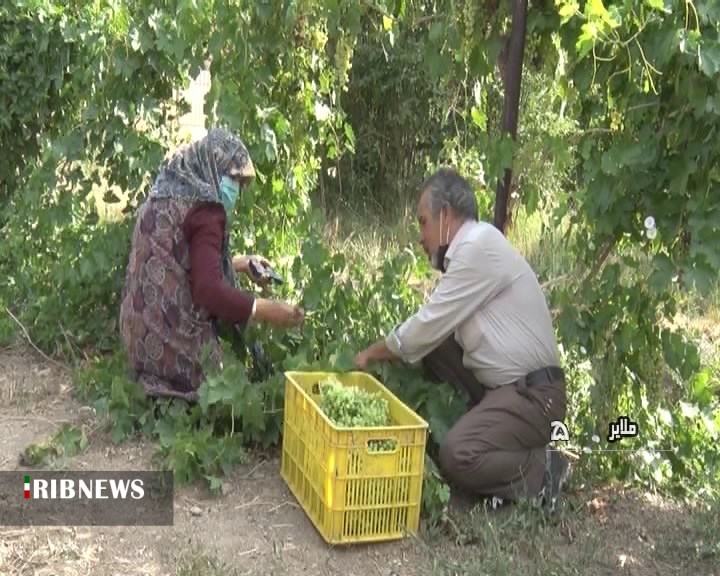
[(93, 489)]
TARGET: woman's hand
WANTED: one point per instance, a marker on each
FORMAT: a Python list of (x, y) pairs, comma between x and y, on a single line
[(242, 265), (277, 313)]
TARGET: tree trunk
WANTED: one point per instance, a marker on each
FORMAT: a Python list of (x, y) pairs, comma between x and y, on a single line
[(512, 76)]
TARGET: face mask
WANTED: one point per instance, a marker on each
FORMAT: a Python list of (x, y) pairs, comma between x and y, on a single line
[(229, 190), (438, 260)]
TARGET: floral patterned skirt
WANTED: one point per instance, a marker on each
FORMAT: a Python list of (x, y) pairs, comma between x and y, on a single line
[(164, 333)]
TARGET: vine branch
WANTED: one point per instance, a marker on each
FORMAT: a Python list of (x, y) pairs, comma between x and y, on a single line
[(27, 336), (594, 270), (600, 261), (425, 19), (557, 280)]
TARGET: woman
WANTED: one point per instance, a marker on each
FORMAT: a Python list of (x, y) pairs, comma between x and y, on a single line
[(180, 278)]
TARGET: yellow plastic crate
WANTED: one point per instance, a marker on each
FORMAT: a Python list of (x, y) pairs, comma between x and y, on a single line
[(351, 494)]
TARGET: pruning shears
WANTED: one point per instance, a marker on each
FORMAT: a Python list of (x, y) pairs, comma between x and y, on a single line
[(259, 271)]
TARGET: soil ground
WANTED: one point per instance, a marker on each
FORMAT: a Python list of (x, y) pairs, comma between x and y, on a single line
[(256, 526)]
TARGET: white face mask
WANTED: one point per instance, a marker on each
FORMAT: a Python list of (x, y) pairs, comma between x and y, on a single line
[(438, 258)]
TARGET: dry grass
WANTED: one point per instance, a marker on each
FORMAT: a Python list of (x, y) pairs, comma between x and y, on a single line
[(197, 562), (26, 378), (72, 552), (599, 532), (544, 244), (370, 241), (45, 552)]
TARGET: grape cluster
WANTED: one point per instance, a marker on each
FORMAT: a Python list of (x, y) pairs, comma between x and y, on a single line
[(343, 57), (350, 407), (381, 445)]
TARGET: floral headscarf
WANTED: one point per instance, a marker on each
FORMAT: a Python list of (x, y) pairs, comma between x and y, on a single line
[(194, 172)]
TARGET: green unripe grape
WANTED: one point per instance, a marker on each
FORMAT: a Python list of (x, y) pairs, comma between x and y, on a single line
[(352, 407)]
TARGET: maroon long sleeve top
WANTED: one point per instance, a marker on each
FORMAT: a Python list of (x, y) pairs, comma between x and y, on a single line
[(204, 227)]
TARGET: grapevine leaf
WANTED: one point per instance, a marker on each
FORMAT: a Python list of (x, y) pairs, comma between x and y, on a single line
[(656, 4), (251, 410), (478, 117), (568, 10), (709, 58), (343, 361), (443, 412)]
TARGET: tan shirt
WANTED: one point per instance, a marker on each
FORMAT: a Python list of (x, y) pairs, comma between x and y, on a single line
[(490, 299)]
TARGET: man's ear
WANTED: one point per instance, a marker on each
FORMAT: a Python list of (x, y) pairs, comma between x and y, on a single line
[(446, 208)]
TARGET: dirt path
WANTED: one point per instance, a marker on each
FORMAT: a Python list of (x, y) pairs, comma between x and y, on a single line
[(256, 527)]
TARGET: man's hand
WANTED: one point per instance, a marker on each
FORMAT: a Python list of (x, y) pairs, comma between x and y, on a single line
[(362, 360), (376, 352)]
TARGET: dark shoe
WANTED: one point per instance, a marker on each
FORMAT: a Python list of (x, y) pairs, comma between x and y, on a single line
[(557, 470)]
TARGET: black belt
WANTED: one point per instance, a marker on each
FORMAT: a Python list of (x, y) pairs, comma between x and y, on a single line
[(546, 375)]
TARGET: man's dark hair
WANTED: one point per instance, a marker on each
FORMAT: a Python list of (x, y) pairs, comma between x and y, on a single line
[(447, 187)]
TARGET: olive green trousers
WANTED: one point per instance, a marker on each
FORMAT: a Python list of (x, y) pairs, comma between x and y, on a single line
[(498, 448)]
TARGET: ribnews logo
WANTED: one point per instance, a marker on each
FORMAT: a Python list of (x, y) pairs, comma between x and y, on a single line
[(69, 498), (68, 488)]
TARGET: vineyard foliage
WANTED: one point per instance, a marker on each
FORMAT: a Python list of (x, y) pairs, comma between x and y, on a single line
[(349, 105)]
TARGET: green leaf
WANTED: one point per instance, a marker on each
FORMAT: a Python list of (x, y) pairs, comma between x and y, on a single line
[(596, 9), (586, 40), (343, 361), (314, 255), (625, 337), (86, 268), (166, 432), (296, 362), (701, 391), (119, 395), (663, 273), (701, 279), (350, 135), (657, 5), (708, 11), (214, 483), (252, 411), (72, 440), (443, 412), (436, 31), (626, 153), (219, 392), (568, 10), (122, 428), (479, 118), (709, 58), (313, 296)]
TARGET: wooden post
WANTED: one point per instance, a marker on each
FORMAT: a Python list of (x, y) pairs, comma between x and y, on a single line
[(511, 104)]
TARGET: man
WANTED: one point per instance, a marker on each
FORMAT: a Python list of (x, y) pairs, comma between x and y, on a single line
[(487, 330)]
